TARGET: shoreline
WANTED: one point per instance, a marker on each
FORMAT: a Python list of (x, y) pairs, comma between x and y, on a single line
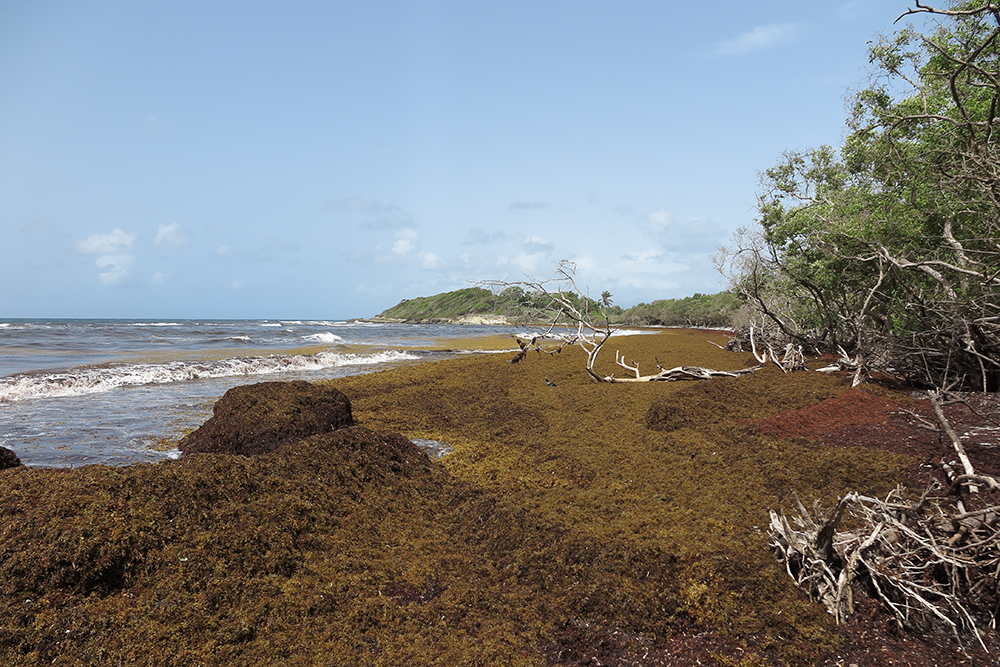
[(570, 517)]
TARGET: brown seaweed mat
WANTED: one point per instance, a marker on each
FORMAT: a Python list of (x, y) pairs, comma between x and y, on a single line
[(576, 524)]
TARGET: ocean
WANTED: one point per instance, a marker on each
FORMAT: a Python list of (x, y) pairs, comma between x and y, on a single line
[(119, 392)]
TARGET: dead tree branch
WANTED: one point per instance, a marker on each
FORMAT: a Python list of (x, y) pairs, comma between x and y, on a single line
[(568, 309)]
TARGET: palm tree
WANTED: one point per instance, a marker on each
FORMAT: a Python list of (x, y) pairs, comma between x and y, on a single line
[(606, 298)]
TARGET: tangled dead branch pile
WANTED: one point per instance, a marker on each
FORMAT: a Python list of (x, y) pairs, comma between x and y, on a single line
[(792, 356), (933, 562)]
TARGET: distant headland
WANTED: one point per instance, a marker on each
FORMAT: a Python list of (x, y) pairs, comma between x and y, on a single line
[(476, 305)]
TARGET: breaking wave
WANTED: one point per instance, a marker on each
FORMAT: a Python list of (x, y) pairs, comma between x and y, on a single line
[(97, 379), (324, 337)]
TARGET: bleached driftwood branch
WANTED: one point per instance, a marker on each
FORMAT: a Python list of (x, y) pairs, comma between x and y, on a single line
[(673, 374), (572, 323)]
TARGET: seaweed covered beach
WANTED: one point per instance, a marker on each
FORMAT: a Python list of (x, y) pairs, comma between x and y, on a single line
[(572, 523)]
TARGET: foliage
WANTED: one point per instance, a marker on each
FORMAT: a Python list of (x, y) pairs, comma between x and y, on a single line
[(890, 246), (513, 303), (700, 310), (471, 300)]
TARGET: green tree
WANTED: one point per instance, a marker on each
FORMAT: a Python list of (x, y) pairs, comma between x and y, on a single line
[(890, 246)]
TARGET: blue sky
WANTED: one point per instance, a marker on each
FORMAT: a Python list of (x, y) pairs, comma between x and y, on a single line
[(327, 159)]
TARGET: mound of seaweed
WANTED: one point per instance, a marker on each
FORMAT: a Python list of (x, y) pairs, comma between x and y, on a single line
[(259, 418), (348, 548), (8, 459)]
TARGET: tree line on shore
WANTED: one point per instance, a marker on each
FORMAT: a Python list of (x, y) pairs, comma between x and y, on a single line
[(888, 248), (517, 304)]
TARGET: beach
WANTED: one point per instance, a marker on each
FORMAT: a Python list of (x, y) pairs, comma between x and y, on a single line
[(78, 392), (571, 522)]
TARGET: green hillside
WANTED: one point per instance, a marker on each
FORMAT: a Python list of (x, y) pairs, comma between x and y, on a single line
[(514, 304)]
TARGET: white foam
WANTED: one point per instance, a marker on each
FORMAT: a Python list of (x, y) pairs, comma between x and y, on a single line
[(270, 324), (156, 324), (291, 322), (94, 380), (244, 338), (325, 337)]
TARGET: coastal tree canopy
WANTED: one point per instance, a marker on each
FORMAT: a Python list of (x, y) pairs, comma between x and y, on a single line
[(890, 246)]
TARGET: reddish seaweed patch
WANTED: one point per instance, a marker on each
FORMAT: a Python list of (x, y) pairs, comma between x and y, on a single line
[(898, 422), (853, 408)]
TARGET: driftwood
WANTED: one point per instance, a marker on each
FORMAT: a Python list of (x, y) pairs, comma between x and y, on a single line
[(932, 563), (571, 321), (956, 442), (556, 342), (673, 374), (573, 324)]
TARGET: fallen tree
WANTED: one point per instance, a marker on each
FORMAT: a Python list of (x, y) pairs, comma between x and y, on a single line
[(576, 320)]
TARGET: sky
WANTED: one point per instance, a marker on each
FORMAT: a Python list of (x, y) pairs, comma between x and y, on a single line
[(329, 159)]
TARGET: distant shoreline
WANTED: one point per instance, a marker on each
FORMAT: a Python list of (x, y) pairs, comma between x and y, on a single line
[(472, 320), (500, 320)]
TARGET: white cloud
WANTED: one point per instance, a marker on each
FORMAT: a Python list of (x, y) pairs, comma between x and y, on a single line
[(113, 268), (158, 278), (479, 236), (535, 244), (170, 237), (114, 242), (431, 261), (115, 260), (377, 215), (223, 251), (659, 219), (691, 234), (406, 240), (528, 206), (644, 256), (532, 262), (39, 227), (760, 38)]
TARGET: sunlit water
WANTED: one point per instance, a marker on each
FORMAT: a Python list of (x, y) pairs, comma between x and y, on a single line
[(75, 392)]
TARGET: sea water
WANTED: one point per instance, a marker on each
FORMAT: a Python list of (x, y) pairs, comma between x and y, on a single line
[(76, 392)]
